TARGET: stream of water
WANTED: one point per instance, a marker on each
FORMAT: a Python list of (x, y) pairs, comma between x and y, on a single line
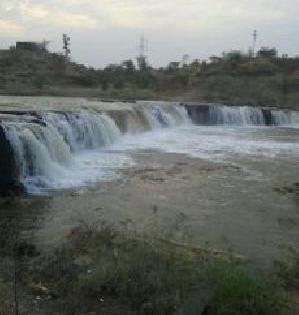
[(82, 145)]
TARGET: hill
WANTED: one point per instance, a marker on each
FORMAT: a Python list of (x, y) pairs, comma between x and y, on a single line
[(233, 78)]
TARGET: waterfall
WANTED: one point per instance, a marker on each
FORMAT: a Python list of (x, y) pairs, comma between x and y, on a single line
[(284, 118), (152, 116), (44, 149), (50, 146), (84, 130), (226, 115), (241, 116)]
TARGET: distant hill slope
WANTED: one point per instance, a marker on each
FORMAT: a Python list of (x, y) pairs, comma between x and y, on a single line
[(233, 80)]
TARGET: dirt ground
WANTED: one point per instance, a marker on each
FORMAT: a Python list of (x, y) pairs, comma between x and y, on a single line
[(251, 209)]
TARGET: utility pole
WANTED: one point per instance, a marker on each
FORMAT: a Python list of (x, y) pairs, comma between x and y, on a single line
[(45, 44), (141, 59), (254, 35), (66, 41), (185, 59)]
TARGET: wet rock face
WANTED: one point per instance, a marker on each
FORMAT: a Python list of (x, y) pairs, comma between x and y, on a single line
[(269, 121), (8, 170), (199, 114)]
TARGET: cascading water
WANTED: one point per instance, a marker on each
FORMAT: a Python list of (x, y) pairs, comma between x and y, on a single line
[(226, 115), (241, 116), (85, 130), (282, 118), (55, 150), (151, 116)]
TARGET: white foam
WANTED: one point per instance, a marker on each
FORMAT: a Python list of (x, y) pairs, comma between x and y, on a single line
[(58, 150), (67, 150), (215, 143), (87, 168)]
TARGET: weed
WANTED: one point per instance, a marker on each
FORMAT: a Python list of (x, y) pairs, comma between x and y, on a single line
[(235, 290), (287, 267)]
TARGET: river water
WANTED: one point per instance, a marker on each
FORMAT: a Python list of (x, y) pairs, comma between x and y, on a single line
[(231, 175), (68, 143), (218, 143)]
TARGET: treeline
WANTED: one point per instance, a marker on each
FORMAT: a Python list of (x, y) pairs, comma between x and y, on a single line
[(234, 78)]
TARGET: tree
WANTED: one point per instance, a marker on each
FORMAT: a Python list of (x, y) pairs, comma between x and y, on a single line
[(233, 56)]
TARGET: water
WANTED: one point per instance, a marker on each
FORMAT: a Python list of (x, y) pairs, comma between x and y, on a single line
[(59, 150), (89, 142), (242, 116), (218, 143), (241, 202)]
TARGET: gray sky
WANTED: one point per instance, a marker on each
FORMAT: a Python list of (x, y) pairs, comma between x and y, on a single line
[(108, 31)]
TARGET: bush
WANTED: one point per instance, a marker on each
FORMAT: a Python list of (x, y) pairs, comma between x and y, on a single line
[(287, 267), (234, 290), (104, 270), (6, 299), (144, 274)]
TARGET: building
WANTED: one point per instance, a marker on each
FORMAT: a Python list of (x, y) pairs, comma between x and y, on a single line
[(215, 59), (32, 46), (266, 52)]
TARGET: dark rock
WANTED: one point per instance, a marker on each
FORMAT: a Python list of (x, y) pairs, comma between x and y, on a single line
[(199, 114), (38, 121), (9, 175), (268, 118)]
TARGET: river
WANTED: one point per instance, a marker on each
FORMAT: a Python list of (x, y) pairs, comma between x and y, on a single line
[(229, 175)]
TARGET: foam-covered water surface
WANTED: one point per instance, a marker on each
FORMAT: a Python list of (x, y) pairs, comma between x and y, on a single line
[(218, 143), (56, 143), (215, 143), (85, 169), (53, 150)]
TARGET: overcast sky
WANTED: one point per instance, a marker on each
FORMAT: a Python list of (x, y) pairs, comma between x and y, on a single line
[(108, 31)]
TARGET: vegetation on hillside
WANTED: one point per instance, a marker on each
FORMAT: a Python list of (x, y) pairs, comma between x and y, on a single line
[(234, 78)]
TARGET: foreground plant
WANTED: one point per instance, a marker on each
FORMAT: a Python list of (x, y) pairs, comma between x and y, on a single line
[(105, 270), (150, 276), (234, 289)]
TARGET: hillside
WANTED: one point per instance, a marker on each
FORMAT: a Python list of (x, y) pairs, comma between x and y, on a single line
[(233, 78)]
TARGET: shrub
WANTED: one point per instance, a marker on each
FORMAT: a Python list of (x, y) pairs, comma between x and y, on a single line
[(235, 290), (6, 299), (144, 274), (105, 270), (287, 267)]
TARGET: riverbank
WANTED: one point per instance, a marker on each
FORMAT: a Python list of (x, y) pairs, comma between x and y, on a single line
[(105, 269), (250, 209), (118, 190), (170, 204), (135, 95), (231, 205)]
